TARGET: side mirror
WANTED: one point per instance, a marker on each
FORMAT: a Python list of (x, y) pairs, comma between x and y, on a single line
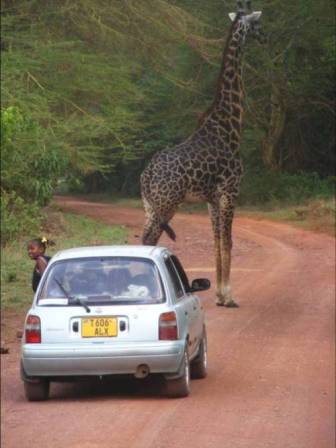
[(200, 284)]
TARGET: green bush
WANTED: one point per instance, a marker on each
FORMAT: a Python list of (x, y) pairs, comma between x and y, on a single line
[(18, 217), (266, 188), (30, 167), (30, 162)]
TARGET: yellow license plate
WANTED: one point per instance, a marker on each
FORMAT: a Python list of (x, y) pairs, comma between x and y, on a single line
[(99, 327)]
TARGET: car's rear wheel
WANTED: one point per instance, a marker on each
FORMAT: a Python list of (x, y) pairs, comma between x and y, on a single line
[(37, 390), (199, 366), (180, 387)]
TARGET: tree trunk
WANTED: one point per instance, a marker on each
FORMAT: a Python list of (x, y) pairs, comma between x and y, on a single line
[(270, 144)]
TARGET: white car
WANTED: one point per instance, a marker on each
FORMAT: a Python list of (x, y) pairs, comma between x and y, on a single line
[(114, 310)]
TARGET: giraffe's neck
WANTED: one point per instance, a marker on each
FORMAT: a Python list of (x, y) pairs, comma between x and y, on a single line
[(227, 105), (230, 89)]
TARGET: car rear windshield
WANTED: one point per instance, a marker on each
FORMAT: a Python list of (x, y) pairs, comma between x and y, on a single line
[(112, 280)]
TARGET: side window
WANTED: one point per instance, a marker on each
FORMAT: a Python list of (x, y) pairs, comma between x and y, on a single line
[(174, 278), (181, 273)]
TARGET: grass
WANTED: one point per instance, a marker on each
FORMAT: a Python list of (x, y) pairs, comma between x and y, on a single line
[(67, 230), (115, 198)]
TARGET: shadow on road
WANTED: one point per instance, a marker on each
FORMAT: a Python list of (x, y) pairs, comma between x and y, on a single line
[(110, 386)]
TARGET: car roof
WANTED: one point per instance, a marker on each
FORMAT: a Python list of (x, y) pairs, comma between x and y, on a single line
[(110, 251)]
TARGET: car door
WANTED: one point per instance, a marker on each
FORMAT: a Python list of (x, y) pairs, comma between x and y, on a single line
[(184, 301), (197, 310)]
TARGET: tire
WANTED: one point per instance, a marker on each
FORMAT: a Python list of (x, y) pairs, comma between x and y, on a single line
[(180, 387), (199, 366), (37, 391)]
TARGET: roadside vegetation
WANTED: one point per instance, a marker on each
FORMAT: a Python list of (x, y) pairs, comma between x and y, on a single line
[(317, 215), (67, 230)]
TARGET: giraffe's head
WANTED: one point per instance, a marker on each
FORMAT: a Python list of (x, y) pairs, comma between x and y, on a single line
[(248, 20)]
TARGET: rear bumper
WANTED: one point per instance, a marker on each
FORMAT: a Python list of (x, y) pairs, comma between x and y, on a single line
[(102, 359)]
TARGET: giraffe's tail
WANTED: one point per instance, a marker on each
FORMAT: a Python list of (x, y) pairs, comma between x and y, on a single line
[(169, 231)]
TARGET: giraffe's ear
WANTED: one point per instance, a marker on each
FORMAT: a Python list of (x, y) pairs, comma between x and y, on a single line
[(232, 16), (256, 15)]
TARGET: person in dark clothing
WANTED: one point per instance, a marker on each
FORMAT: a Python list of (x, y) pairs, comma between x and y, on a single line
[(36, 250)]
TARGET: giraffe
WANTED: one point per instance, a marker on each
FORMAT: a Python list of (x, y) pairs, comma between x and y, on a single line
[(206, 167)]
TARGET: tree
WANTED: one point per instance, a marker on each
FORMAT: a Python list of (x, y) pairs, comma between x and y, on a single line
[(293, 99)]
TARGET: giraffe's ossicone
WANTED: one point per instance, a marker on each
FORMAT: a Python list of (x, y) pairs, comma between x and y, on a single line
[(207, 166)]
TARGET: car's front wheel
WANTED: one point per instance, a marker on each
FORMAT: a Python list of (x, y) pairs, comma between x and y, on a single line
[(37, 390), (180, 387)]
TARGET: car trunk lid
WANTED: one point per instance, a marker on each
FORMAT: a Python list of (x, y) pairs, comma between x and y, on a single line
[(104, 324)]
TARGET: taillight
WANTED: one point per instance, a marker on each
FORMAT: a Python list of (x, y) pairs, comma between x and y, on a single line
[(168, 326), (33, 330)]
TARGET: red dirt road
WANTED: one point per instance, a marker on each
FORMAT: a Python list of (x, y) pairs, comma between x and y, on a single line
[(271, 381)]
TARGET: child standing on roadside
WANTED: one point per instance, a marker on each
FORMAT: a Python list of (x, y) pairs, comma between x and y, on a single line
[(36, 250)]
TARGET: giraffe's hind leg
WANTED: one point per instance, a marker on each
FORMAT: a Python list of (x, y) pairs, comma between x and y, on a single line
[(152, 229), (156, 223), (152, 232)]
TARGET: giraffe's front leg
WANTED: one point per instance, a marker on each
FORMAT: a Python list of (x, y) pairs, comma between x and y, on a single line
[(214, 215), (226, 217)]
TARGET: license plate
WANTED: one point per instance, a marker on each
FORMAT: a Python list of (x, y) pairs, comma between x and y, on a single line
[(99, 327)]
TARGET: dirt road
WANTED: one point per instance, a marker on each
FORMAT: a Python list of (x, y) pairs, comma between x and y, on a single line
[(271, 373)]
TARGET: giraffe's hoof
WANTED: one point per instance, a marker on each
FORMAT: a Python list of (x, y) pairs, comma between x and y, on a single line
[(231, 304), (218, 303)]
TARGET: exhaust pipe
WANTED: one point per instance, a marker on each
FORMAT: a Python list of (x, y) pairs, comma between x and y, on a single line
[(142, 371)]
